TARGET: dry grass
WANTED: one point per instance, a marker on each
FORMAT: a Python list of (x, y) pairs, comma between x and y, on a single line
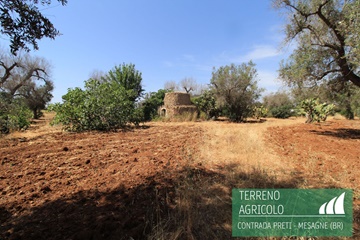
[(241, 144)]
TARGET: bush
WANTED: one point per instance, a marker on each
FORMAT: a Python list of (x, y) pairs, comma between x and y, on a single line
[(260, 112), (151, 104), (279, 104), (284, 111), (14, 115), (206, 103), (316, 111), (105, 104)]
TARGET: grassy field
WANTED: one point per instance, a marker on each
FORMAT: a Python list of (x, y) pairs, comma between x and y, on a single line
[(166, 180)]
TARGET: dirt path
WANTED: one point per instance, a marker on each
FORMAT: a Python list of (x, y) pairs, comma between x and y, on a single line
[(38, 127), (244, 145)]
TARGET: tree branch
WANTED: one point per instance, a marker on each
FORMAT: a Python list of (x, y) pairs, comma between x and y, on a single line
[(324, 74), (7, 71), (337, 33), (26, 78)]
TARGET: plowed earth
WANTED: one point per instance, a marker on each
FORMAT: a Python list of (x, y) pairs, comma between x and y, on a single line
[(325, 155), (57, 185), (331, 148), (90, 185)]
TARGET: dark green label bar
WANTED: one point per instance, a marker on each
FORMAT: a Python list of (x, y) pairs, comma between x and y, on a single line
[(292, 212)]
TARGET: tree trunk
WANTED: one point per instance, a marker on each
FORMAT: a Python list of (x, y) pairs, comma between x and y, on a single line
[(349, 114), (35, 112)]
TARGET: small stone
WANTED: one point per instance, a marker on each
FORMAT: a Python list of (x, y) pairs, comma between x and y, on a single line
[(65, 149), (135, 150), (87, 161)]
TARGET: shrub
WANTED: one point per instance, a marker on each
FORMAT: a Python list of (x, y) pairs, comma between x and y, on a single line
[(279, 104), (284, 111), (151, 104), (14, 115), (316, 111), (105, 104), (206, 103), (260, 112)]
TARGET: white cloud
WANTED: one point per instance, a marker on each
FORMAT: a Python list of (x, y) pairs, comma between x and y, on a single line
[(269, 80), (277, 33), (259, 52)]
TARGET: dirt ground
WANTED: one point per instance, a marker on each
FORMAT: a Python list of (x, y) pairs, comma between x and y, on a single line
[(80, 185), (119, 185), (325, 155)]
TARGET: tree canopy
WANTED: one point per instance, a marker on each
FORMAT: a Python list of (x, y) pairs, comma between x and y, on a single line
[(236, 89), (24, 24), (25, 88), (105, 104), (17, 71), (327, 46)]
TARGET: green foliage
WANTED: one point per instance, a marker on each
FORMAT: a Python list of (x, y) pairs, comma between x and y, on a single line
[(206, 103), (315, 110), (236, 90), (346, 96), (19, 117), (24, 24), (151, 104), (21, 90), (260, 112), (128, 78), (326, 33), (284, 111), (36, 97), (14, 115), (279, 104), (351, 24), (106, 104)]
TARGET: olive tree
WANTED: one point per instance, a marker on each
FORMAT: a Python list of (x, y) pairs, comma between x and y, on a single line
[(188, 84), (236, 89), (326, 34), (17, 71), (36, 96), (25, 86)]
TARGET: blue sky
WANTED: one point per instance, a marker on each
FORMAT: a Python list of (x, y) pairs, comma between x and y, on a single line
[(167, 40)]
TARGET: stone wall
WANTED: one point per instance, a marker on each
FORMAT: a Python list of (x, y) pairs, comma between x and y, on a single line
[(177, 103)]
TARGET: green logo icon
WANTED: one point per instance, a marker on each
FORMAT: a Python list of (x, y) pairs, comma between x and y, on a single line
[(291, 212)]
